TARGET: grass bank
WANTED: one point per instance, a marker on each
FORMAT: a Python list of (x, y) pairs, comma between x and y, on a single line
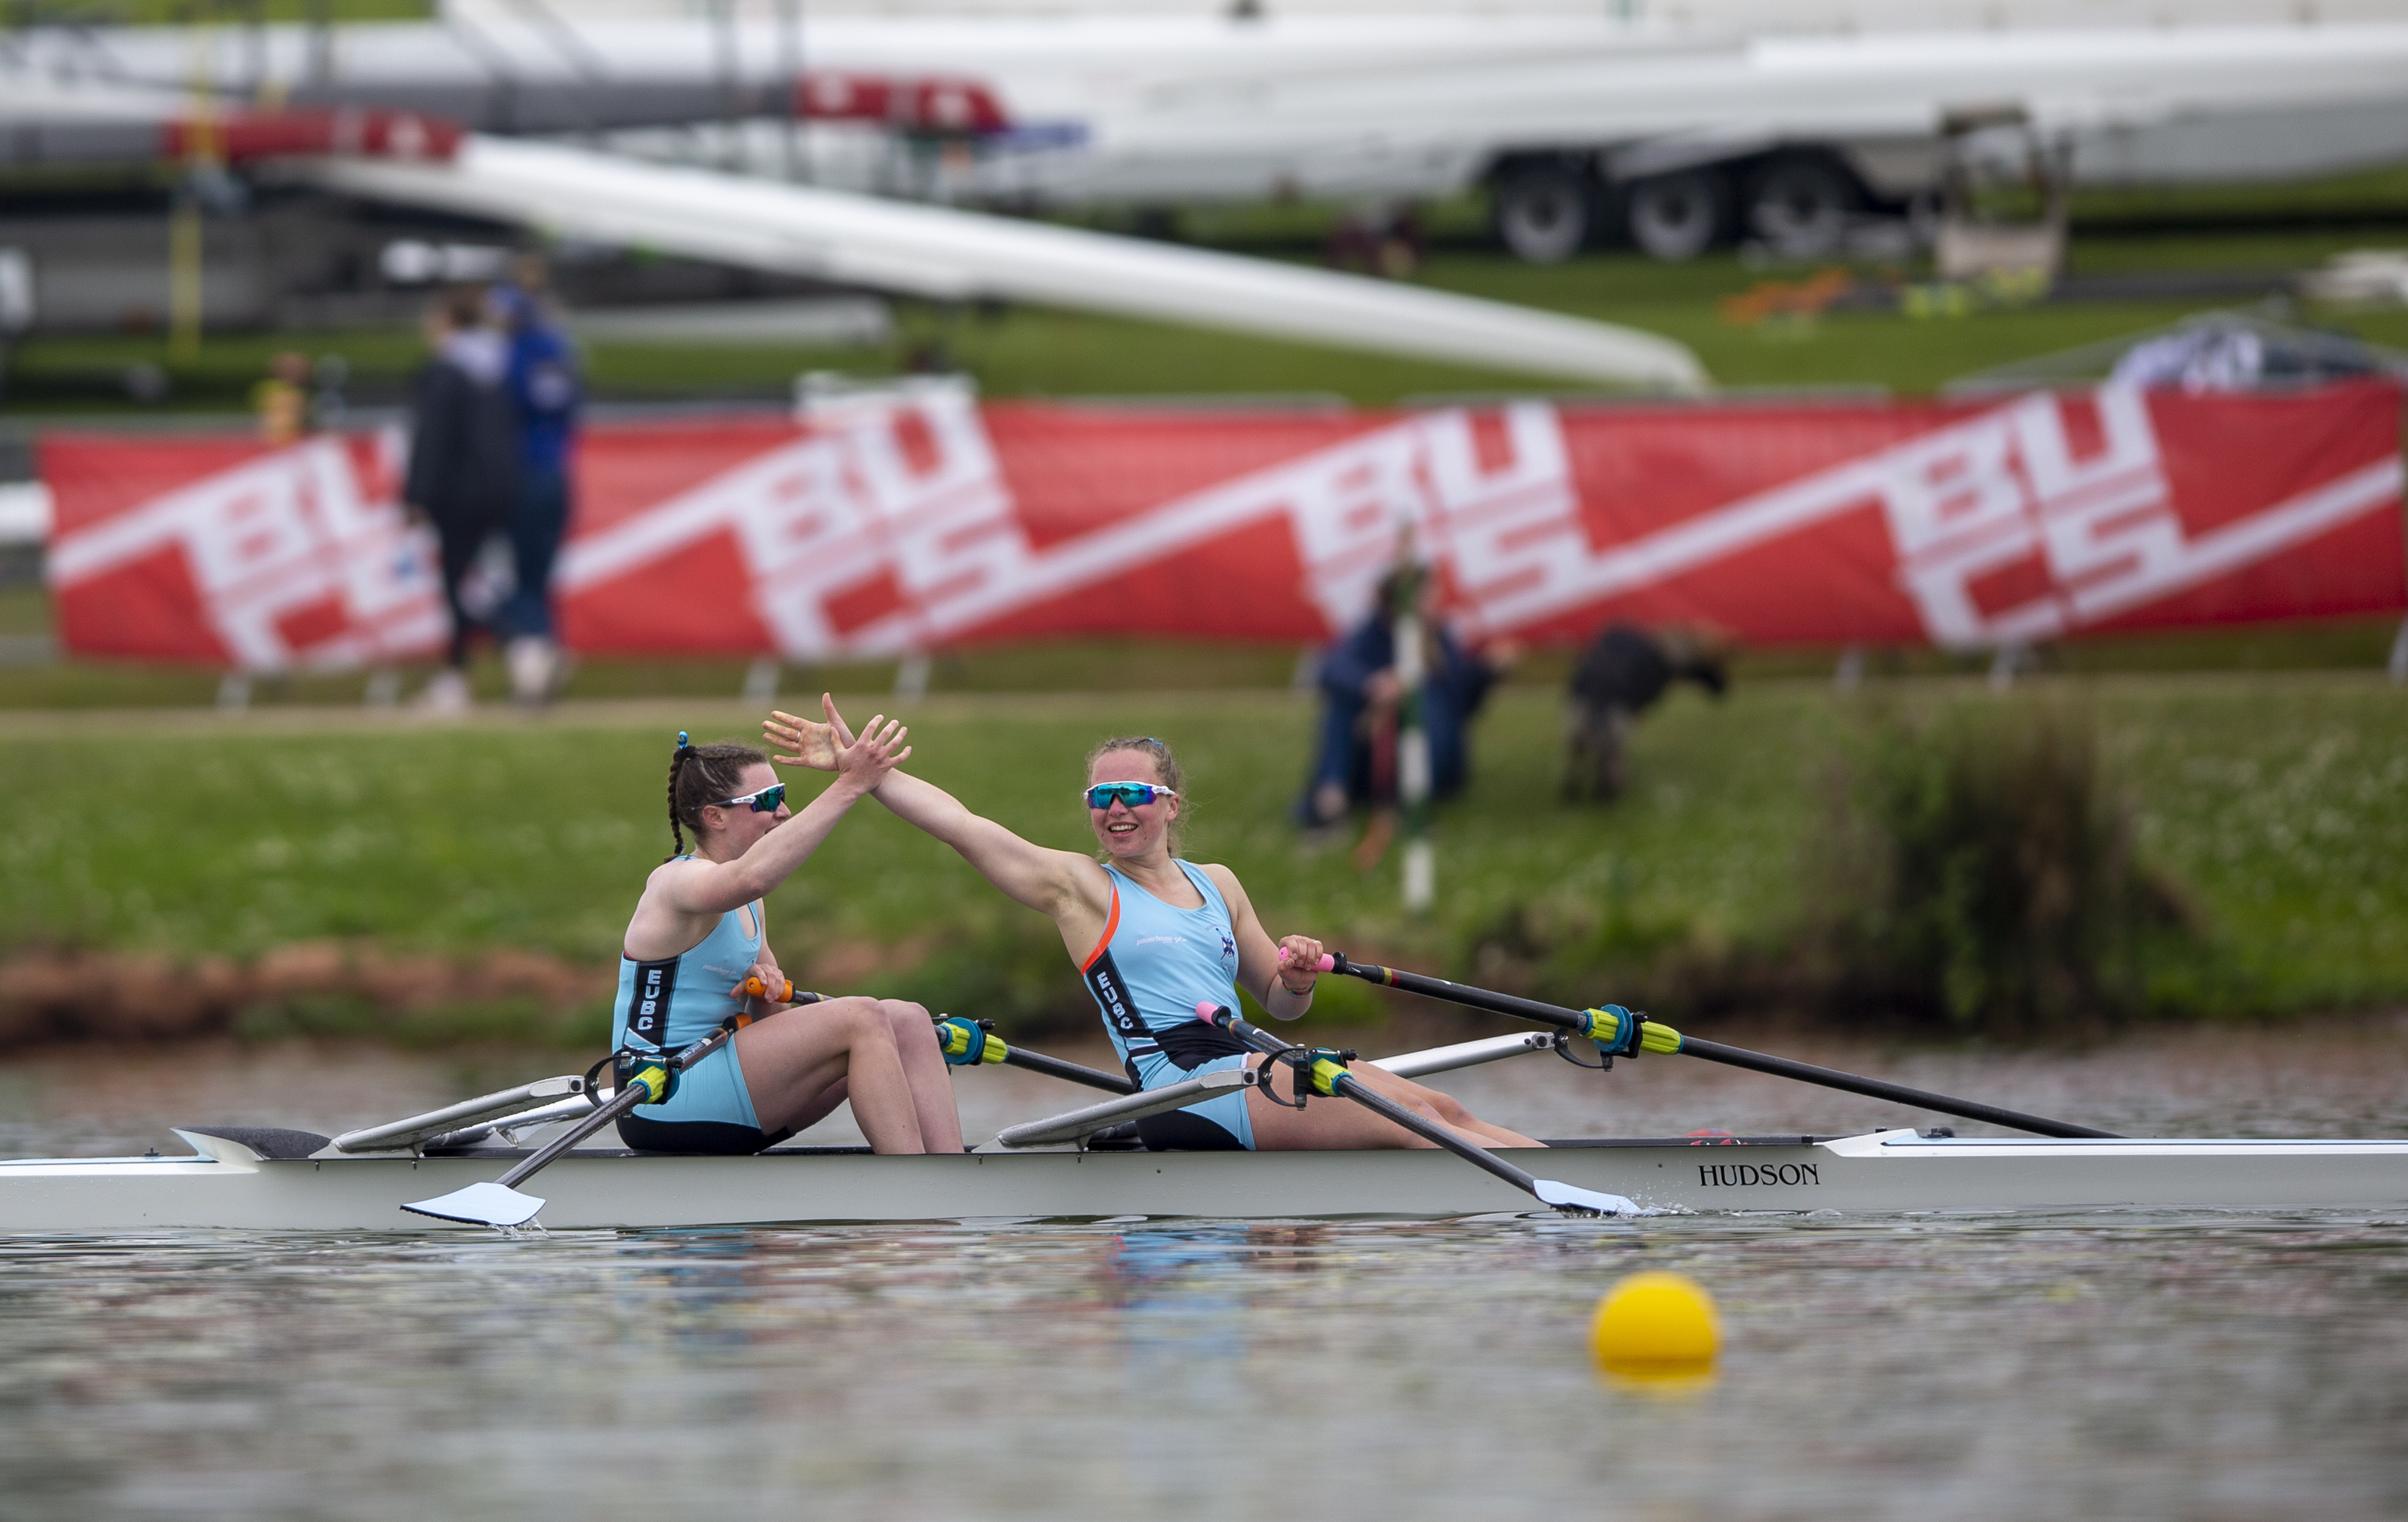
[(2279, 803)]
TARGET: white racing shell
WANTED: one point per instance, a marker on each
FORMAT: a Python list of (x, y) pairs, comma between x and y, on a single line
[(230, 1186)]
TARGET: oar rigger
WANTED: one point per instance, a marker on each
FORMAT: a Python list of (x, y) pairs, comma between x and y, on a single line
[(970, 1043), (1614, 1031)]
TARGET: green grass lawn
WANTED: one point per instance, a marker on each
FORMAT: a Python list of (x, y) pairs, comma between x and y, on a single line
[(2280, 803)]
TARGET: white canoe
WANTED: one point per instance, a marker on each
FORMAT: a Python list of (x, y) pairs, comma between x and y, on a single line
[(233, 1181)]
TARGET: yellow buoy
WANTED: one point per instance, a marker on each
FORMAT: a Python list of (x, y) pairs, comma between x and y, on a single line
[(1654, 1323)]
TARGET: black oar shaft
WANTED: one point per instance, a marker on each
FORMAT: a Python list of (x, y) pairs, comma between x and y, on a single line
[(1573, 1020), (1380, 1104), (1037, 1062), (619, 1104), (1831, 1078), (968, 1042), (1349, 1086)]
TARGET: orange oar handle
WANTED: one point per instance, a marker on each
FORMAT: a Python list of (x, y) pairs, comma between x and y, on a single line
[(758, 989)]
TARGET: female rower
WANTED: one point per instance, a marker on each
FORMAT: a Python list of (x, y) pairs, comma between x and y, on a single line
[(696, 938), (1155, 936)]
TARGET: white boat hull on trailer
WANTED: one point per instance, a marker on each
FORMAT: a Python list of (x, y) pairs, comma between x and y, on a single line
[(230, 1186)]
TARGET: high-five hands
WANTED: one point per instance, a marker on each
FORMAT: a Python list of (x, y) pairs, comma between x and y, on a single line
[(1300, 958), (812, 744), (865, 760), (832, 746)]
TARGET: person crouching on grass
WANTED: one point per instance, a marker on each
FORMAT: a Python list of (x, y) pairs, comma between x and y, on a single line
[(1155, 936), (696, 938)]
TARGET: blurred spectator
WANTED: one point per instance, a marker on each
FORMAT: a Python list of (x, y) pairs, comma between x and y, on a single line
[(546, 393), (326, 404), (1361, 700), (283, 399), (1620, 676), (1385, 240), (463, 472)]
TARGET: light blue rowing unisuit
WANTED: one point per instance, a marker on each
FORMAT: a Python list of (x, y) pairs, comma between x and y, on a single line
[(671, 1004), (1155, 963)]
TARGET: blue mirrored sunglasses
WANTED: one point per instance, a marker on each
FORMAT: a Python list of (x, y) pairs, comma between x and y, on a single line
[(1135, 795), (764, 802)]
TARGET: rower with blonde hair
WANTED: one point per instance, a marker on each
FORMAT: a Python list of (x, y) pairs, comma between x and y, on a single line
[(1154, 937)]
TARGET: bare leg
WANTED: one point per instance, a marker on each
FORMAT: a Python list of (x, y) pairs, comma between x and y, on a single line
[(1342, 1124), (925, 1069), (820, 1106), (792, 1060)]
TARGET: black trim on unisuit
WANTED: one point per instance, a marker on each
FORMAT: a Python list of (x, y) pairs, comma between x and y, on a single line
[(1103, 977), (648, 1002), (1192, 1043), (1189, 1045)]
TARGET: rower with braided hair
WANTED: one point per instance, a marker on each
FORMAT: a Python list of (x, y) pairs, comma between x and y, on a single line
[(696, 938)]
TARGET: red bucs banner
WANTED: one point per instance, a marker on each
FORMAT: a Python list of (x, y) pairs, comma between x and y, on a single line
[(219, 551), (913, 519)]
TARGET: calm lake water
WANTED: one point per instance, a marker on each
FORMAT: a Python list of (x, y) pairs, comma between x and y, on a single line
[(2178, 1366)]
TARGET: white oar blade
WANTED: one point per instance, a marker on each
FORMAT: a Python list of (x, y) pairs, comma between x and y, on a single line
[(1566, 1196), (483, 1204)]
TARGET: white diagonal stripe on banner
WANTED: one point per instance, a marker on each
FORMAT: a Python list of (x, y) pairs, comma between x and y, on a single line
[(2255, 537), (694, 513), (1164, 531), (87, 552), (1725, 531)]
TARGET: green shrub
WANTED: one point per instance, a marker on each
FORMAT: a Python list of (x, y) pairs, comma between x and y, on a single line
[(1976, 874)]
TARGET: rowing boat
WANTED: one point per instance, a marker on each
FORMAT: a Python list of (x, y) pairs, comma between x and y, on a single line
[(1086, 1164), (252, 1180)]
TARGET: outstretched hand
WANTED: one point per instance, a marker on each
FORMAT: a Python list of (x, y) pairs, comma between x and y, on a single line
[(812, 744), (865, 760)]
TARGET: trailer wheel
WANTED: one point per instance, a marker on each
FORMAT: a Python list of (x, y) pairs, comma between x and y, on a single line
[(1543, 212), (1679, 216), (1800, 206)]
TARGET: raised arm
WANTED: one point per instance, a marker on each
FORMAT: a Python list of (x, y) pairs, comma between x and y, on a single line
[(1061, 885), (714, 887)]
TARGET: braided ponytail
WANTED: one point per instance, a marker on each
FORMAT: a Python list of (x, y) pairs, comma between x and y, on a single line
[(677, 765), (700, 775)]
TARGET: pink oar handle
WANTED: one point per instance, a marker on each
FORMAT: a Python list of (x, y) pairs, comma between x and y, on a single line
[(1206, 1009), (1327, 964)]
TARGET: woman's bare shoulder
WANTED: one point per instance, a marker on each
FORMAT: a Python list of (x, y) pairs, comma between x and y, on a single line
[(1223, 878)]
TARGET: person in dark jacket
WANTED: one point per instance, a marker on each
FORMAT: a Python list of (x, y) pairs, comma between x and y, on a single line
[(1622, 674), (462, 471), (545, 398), (1361, 696)]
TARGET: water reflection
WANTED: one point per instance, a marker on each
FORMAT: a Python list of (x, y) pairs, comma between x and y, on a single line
[(2176, 1366)]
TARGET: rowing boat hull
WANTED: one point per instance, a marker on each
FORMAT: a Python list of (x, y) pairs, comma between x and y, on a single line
[(231, 1187)]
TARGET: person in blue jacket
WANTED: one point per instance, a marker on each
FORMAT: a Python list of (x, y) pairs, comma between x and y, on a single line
[(546, 392), (1361, 696)]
